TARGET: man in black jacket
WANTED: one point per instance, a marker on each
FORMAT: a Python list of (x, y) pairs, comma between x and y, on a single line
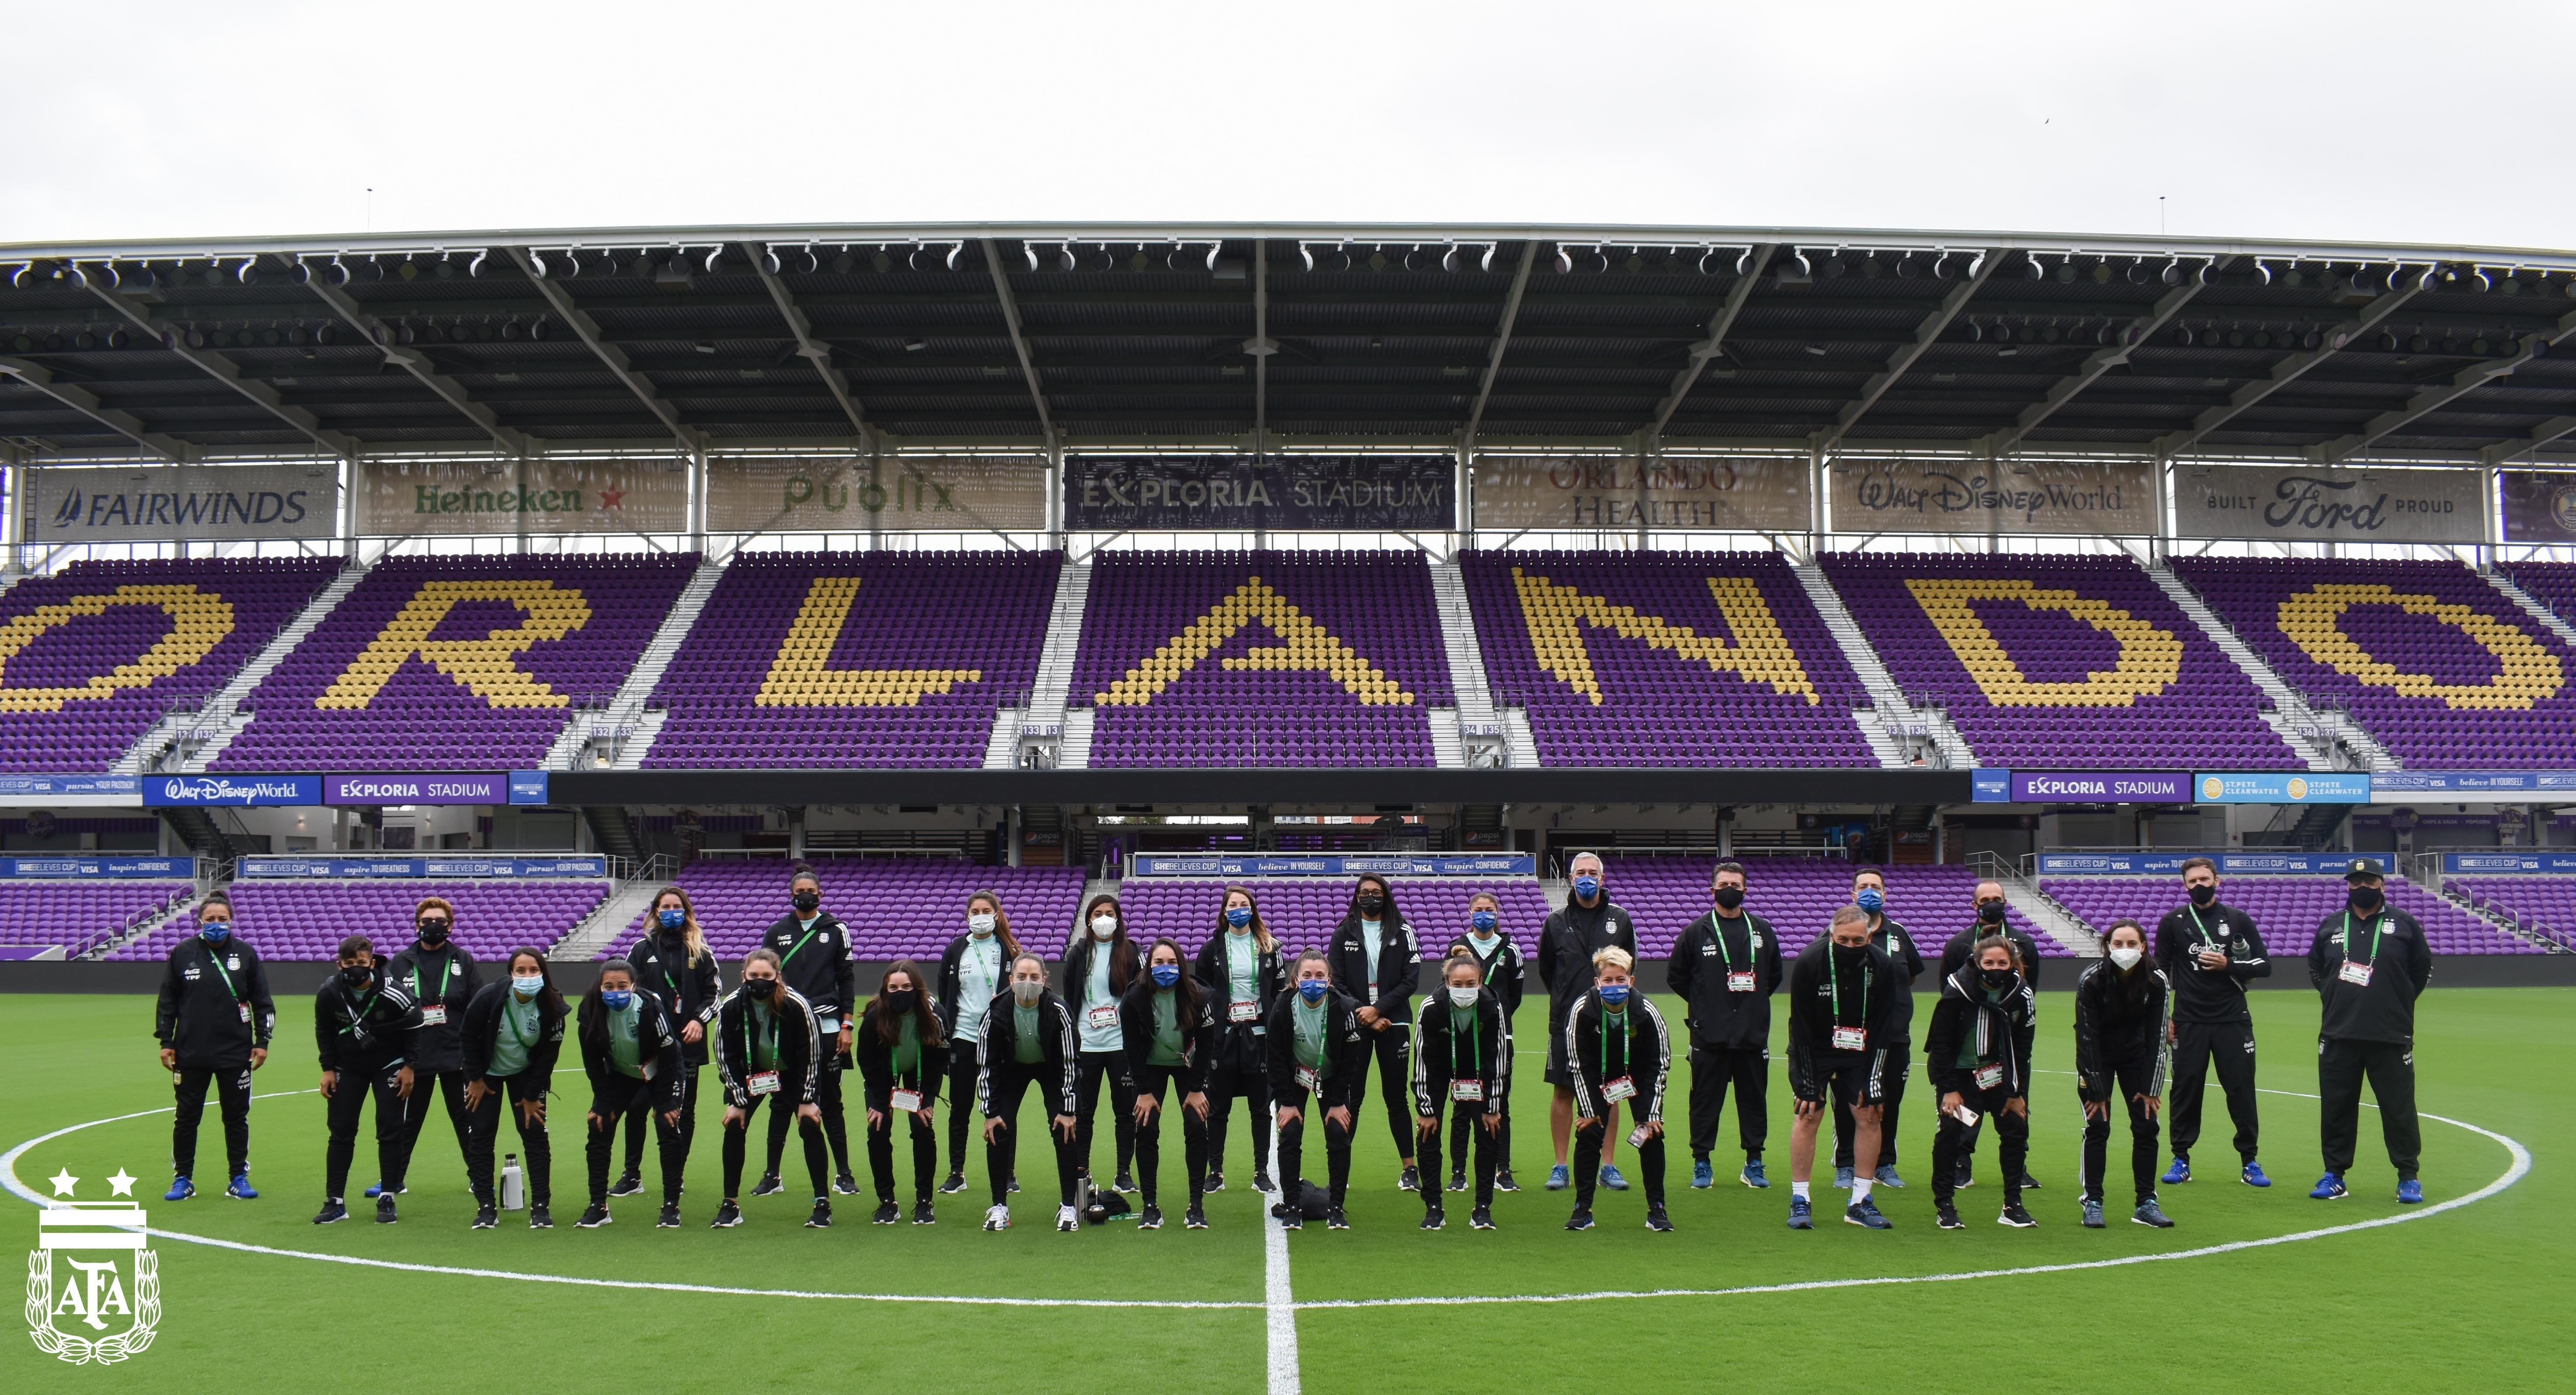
[(1842, 1004), (1993, 918), (1978, 1056), (2370, 963), (441, 978), (1378, 964), (1869, 892), (1588, 924), (673, 964), (213, 1022), (2209, 951), (363, 1024), (813, 950), (1725, 968)]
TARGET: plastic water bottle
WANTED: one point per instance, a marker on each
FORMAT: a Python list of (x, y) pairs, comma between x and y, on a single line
[(514, 1188)]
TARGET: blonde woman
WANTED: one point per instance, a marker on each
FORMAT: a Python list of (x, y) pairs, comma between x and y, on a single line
[(673, 964)]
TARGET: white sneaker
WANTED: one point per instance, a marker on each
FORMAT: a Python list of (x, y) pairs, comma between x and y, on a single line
[(1067, 1219), (997, 1218)]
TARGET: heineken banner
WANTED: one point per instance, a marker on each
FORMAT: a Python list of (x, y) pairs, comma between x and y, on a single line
[(2298, 504), (1747, 494), (1321, 493), (404, 498), (910, 493), (182, 503), (2539, 506), (1971, 498)]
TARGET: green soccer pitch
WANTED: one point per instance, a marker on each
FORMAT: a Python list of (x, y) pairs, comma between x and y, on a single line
[(2458, 1299)]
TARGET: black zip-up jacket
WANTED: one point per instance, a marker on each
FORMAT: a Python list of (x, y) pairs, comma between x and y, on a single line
[(1239, 1044), (1342, 1042), (200, 1017), (1566, 946), (952, 978), (1505, 972), (481, 1026), (1719, 1016), (999, 1046), (2111, 1030), (802, 1048), (1438, 1052), (657, 1042), (368, 1032), (2385, 1009), (821, 972), (1901, 951), (1387, 985), (1955, 953), (1074, 974), (878, 1078), (1646, 1055), (445, 978), (1199, 1039), (2002, 1032), (1813, 1015), (2210, 995), (687, 992)]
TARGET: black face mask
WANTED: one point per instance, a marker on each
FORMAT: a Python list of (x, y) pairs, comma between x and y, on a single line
[(1851, 954), (433, 932), (1730, 896), (900, 1001), (1991, 912), (1371, 905), (357, 976), (2365, 899), (759, 987), (2204, 895), (807, 901), (1996, 978)]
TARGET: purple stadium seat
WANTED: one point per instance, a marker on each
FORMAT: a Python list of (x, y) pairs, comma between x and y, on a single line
[(1798, 896), (307, 920), (896, 907), (2286, 909), (1302, 911), (2542, 905), (77, 915)]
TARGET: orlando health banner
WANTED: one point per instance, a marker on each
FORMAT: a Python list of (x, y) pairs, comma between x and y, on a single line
[(1756, 494)]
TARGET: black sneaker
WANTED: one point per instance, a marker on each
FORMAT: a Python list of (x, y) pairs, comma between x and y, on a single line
[(1335, 1220), (1015, 1184), (385, 1209), (2015, 1217), (1151, 1218), (1409, 1180), (1482, 1218), (1293, 1220), (670, 1218), (1195, 1218), (822, 1217), (1215, 1182), (331, 1211), (627, 1185), (728, 1215), (2029, 1183), (1125, 1181), (768, 1185), (956, 1183), (1580, 1220), (1261, 1181), (1457, 1181), (1657, 1220), (922, 1214), (1503, 1181), (1962, 1179), (887, 1213), (846, 1185), (1433, 1218), (485, 1217), (1946, 1216), (539, 1218), (593, 1218)]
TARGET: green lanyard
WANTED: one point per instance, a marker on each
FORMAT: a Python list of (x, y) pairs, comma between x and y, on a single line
[(1606, 1015), (1717, 932), (1475, 1047), (524, 1042), (446, 966), (800, 944), (1834, 985), (2377, 925), (357, 1012), (1323, 1033), (217, 961), (2203, 927)]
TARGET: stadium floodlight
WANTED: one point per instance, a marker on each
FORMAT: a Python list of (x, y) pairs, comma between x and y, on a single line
[(1976, 332), (914, 344), (1564, 259), (675, 272), (1793, 269), (2263, 271), (475, 267), (247, 273), (2031, 267), (1449, 257)]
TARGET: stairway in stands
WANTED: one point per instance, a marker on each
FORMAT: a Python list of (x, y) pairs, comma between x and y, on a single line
[(2312, 734), (629, 729), (213, 726), (1894, 727), (1055, 676)]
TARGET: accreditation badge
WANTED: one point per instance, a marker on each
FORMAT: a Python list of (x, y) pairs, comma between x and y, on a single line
[(2354, 972), (1851, 1038)]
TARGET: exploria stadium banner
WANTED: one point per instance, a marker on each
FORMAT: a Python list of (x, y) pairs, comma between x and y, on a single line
[(2064, 498), (2298, 504), (2539, 506), (1319, 493), (406, 498), (907, 493), (1749, 494), (214, 503)]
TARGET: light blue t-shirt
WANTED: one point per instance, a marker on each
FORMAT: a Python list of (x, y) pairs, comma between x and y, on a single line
[(979, 977), (518, 1030), (1372, 939), (1096, 994)]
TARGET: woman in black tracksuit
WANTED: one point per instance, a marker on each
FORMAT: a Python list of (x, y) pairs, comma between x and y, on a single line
[(1378, 963), (632, 1056), (1978, 1055), (1241, 968), (813, 949), (770, 1047), (1029, 1040), (1499, 967), (1170, 1027), (1099, 967), (973, 971), (363, 1025), (901, 1057), (511, 1034), (1316, 1052), (2123, 1043), (441, 978), (674, 965), (1616, 1048), (1462, 1058)]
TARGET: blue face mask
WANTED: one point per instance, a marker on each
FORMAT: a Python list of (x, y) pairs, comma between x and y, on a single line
[(673, 919), (529, 986), (616, 999), (1615, 994), (1587, 887), (1484, 921), (1238, 916), (1871, 899), (1313, 990), (215, 931), (1165, 975)]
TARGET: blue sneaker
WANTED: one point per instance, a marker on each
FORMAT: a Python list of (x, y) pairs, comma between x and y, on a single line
[(2410, 1192), (1558, 1178), (375, 1189), (2253, 1176), (1886, 1177), (1610, 1178), (1753, 1176), (2329, 1188), (1842, 1179), (1864, 1212), (240, 1189), (1801, 1215), (180, 1190), (1703, 1176), (2179, 1173)]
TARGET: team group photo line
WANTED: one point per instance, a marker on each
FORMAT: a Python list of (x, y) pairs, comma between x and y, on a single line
[(1296, 1036)]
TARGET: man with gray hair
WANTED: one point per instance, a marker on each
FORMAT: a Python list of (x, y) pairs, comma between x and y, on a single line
[(1842, 1016), (1588, 924)]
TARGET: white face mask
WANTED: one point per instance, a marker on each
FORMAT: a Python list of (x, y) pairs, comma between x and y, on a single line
[(980, 923), (1462, 997), (1103, 926), (2127, 956), (1027, 992)]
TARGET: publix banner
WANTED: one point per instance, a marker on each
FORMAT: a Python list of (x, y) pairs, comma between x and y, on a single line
[(405, 498), (911, 493), (229, 503), (2539, 506), (1753, 494), (2066, 498), (2298, 504), (1322, 493)]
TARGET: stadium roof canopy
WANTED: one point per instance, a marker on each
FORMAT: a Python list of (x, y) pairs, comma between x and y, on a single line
[(1285, 337)]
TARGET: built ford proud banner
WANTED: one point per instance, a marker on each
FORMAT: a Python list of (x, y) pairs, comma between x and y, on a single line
[(1207, 865), (1321, 493), (2298, 504)]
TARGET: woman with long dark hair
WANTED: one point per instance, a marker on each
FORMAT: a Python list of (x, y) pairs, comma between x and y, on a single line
[(973, 972), (1378, 964), (1099, 968), (1315, 1051), (1241, 969), (902, 1056), (2123, 1043), (1029, 1041), (1170, 1028), (769, 1046), (1462, 1061), (633, 1060), (512, 1032)]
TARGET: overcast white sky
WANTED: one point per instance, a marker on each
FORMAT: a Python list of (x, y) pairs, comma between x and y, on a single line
[(2355, 121)]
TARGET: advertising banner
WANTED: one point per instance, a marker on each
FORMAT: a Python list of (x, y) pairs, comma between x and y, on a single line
[(237, 791), (2298, 504), (1990, 787), (2278, 787), (2469, 784), (1217, 866), (2559, 863), (346, 868), (1749, 494), (71, 791), (95, 868), (407, 498), (906, 493), (2169, 864), (1965, 498), (527, 787), (2097, 786), (173, 503), (415, 789), (2539, 506), (1320, 493)]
